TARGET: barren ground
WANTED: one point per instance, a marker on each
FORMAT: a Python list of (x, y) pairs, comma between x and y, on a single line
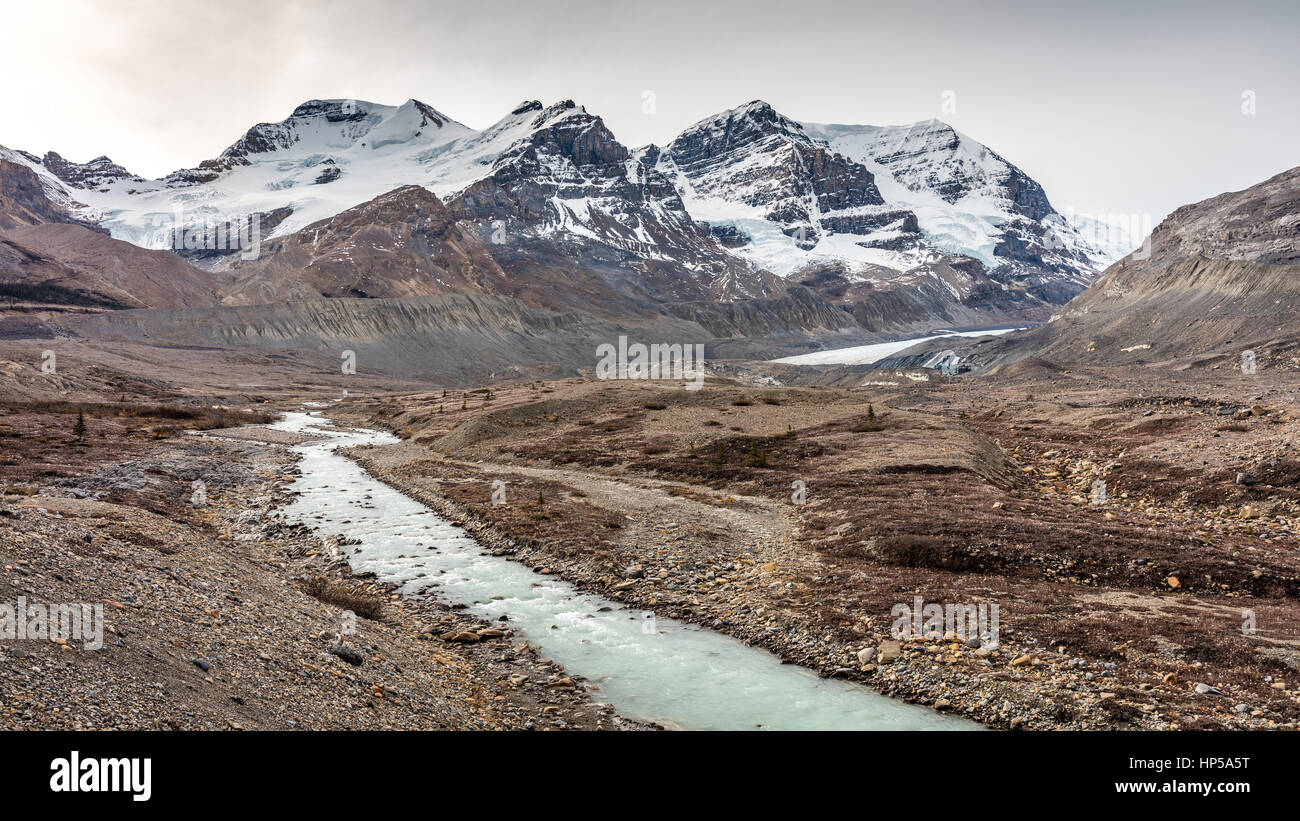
[(963, 491)]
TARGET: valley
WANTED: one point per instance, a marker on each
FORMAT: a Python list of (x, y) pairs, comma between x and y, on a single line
[(923, 390)]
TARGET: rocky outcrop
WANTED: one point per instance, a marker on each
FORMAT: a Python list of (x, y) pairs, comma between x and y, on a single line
[(98, 172), (754, 156)]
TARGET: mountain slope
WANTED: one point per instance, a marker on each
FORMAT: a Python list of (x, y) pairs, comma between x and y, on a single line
[(49, 261), (873, 200), (61, 266), (1222, 277), (568, 195), (401, 244)]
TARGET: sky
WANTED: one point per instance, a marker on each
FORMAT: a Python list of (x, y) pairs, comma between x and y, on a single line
[(1116, 108)]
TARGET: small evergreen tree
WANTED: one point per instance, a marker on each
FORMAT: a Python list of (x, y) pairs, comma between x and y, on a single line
[(79, 429)]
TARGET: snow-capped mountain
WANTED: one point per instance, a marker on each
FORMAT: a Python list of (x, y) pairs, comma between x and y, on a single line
[(541, 173), (564, 175), (326, 157), (793, 196), (968, 199), (902, 224), (783, 198)]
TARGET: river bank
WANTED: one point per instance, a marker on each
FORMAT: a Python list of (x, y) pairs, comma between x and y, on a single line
[(208, 622)]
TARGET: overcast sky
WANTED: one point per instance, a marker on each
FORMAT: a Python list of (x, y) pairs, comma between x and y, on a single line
[(1114, 109)]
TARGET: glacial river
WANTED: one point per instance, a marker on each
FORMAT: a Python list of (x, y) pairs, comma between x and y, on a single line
[(678, 675)]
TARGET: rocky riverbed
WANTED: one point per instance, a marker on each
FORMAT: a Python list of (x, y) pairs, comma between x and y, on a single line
[(219, 614)]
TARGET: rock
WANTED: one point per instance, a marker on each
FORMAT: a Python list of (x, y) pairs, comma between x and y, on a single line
[(201, 664), (348, 654), (1245, 479), (942, 704), (889, 651), (1205, 689), (635, 571), (1173, 582), (973, 642), (464, 637), (1020, 661), (866, 655)]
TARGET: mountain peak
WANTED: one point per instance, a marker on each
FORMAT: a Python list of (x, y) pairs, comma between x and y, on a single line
[(97, 172)]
